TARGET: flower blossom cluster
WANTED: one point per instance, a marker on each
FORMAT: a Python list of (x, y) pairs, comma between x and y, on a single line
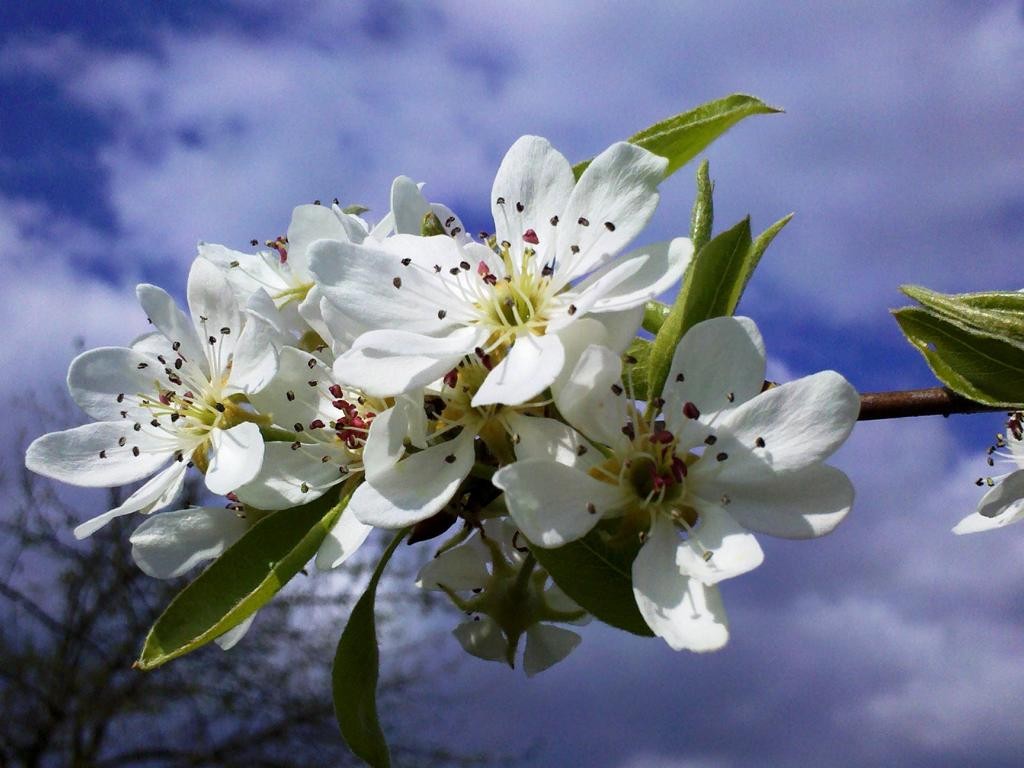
[(440, 377)]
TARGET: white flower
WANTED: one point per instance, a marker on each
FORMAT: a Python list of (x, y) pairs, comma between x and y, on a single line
[(168, 398), (408, 209), (1004, 502), (283, 272), (693, 474), (491, 566), (426, 302)]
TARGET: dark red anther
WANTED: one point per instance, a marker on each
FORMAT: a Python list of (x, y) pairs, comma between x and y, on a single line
[(490, 279), (282, 252), (357, 422), (482, 268), (678, 469), (530, 237), (232, 497), (662, 437), (451, 378), (486, 362), (165, 398), (691, 411), (479, 352), (316, 424), (341, 405), (658, 482), (336, 391)]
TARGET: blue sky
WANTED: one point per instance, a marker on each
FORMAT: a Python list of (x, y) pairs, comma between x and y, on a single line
[(132, 130)]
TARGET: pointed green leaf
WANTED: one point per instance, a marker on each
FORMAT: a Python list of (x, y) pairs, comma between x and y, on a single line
[(684, 136), (355, 672), (655, 314), (702, 216), (978, 366), (597, 572), (997, 314), (712, 287), (241, 580)]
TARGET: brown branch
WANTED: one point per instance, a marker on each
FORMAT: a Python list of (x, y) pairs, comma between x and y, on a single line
[(934, 401)]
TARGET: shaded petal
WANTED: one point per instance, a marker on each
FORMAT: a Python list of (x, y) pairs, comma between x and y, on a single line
[(460, 568), (416, 487), (618, 187), (214, 313), (620, 327), (719, 548), (576, 337), (569, 305), (347, 535), (174, 324), (170, 544), (661, 266), (285, 470), (1000, 506), (798, 505), (230, 639), (73, 455), (482, 639), (547, 645), (683, 612), (157, 493), (551, 440), (255, 358), (589, 402), (528, 369), (389, 362), (289, 399), (235, 457), (389, 431), (408, 206), (715, 358), (551, 503), (108, 380), (801, 423), (535, 176), (317, 222)]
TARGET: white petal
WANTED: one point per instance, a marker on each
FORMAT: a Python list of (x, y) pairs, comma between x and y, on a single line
[(172, 543), (289, 399), (482, 639), (801, 423), (530, 367), (588, 400), (385, 441), (551, 503), (461, 568), (389, 362), (715, 358), (576, 337), (416, 487), (620, 327), (798, 505), (618, 187), (230, 639), (73, 456), (535, 176), (316, 222), (370, 283), (174, 324), (214, 308), (683, 612), (108, 380), (255, 358), (347, 535), (235, 457), (661, 266), (1000, 506), (157, 493), (284, 472), (718, 549), (408, 206), (551, 440), (547, 645), (579, 300)]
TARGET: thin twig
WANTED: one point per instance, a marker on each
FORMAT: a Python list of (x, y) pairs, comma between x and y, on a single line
[(934, 401)]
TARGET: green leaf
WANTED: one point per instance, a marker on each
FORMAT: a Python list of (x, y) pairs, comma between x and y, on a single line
[(978, 366), (637, 361), (996, 313), (241, 580), (597, 572), (355, 673), (655, 314), (703, 215), (712, 287), (683, 137)]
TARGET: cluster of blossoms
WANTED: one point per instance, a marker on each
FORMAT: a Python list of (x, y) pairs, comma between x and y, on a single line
[(441, 378)]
